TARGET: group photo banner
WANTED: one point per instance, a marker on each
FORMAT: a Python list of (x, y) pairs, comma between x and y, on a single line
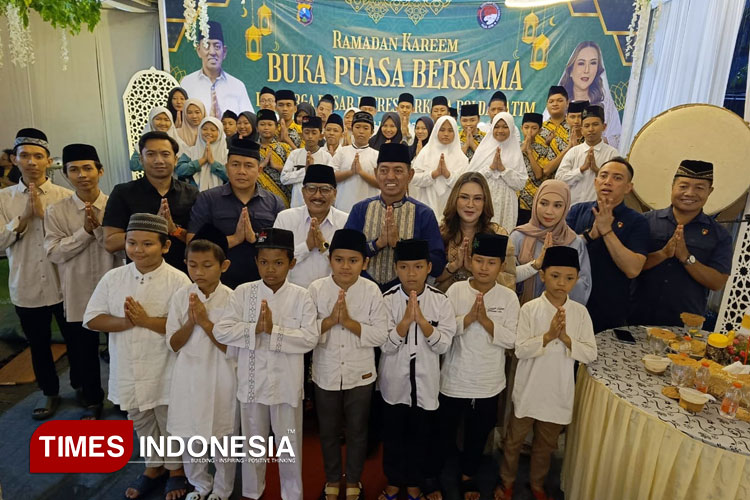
[(461, 49)]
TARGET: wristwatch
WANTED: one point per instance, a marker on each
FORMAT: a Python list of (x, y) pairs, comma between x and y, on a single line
[(587, 235), (690, 260)]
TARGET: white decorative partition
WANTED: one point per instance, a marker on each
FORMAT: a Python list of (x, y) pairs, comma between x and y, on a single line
[(147, 89), (736, 299)]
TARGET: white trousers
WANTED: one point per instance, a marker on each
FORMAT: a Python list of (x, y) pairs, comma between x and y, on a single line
[(153, 423), (197, 472), (285, 420)]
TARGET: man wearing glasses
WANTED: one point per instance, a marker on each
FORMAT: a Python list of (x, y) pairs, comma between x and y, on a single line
[(313, 225)]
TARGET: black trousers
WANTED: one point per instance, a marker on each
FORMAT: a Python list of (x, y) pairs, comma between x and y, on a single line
[(348, 411), (479, 416), (83, 351), (408, 432)]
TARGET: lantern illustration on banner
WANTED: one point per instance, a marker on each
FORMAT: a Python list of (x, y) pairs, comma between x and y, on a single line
[(539, 52), (530, 24), (264, 19), (253, 36)]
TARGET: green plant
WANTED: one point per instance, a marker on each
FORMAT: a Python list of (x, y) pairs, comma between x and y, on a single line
[(67, 15)]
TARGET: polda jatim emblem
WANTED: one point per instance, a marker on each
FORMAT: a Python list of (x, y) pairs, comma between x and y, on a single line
[(304, 13)]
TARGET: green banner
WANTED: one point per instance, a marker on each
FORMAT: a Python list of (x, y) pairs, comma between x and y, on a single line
[(464, 50)]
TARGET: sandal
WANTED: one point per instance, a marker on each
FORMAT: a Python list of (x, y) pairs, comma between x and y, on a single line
[(356, 490), (194, 496), (176, 483), (143, 485), (329, 489), (50, 407), (418, 497)]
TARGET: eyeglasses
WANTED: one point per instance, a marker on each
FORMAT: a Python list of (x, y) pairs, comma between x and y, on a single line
[(324, 190)]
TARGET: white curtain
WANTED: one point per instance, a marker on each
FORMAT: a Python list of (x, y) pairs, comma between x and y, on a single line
[(84, 103), (691, 43)]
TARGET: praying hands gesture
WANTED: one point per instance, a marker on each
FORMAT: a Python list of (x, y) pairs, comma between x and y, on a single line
[(90, 222), (413, 314), (420, 145), (34, 208), (462, 258), (137, 316), (537, 263), (389, 231), (589, 163), (315, 238), (405, 127), (603, 217), (357, 166), (526, 145), (243, 232), (265, 319), (497, 161), (284, 131), (208, 156), (197, 314), (442, 168), (575, 137), (340, 316), (478, 313), (470, 142), (556, 327), (681, 251), (309, 160), (164, 212)]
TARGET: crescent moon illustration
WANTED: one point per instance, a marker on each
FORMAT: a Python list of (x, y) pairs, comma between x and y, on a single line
[(552, 21), (515, 54), (276, 46), (244, 12)]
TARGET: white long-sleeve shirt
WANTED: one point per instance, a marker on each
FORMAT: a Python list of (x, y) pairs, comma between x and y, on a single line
[(544, 387), (503, 186), (582, 183), (474, 366), (343, 360), (140, 364), (231, 93), (354, 189), (80, 257), (33, 280), (271, 367), (311, 264), (397, 352), (293, 176), (203, 394)]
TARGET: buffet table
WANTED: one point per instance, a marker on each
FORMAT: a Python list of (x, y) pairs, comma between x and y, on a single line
[(629, 441)]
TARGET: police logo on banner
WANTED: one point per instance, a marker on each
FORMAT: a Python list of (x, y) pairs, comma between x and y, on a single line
[(304, 13), (488, 15)]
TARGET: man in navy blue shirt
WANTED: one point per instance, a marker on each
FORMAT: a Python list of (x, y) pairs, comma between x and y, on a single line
[(689, 254), (238, 209), (617, 239), (393, 216)]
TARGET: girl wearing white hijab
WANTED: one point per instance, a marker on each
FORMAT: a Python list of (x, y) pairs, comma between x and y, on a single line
[(438, 165), (159, 120), (500, 160), (205, 163), (192, 114)]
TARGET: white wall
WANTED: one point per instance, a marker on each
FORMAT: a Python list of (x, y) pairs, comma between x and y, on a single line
[(84, 103)]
